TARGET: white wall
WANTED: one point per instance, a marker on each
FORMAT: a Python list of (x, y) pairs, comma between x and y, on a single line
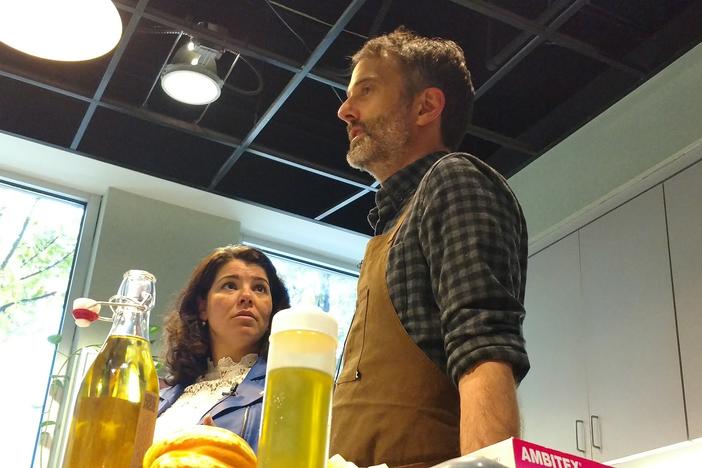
[(140, 233)]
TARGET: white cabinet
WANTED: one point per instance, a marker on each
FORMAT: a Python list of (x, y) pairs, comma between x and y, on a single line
[(601, 336), (683, 197), (553, 396), (635, 387)]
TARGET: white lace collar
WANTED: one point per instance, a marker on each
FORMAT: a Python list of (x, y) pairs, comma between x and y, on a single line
[(202, 395), (227, 367)]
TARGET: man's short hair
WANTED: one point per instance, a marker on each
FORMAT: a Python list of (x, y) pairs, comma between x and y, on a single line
[(430, 62)]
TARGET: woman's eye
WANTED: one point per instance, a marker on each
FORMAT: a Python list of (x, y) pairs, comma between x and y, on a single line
[(229, 285), (261, 288)]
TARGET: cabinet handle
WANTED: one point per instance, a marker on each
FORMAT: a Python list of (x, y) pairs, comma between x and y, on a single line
[(577, 434), (592, 431)]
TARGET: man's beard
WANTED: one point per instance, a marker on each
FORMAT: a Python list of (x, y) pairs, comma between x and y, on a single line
[(382, 139)]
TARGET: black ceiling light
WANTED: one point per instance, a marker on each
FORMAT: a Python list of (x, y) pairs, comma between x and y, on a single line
[(192, 77)]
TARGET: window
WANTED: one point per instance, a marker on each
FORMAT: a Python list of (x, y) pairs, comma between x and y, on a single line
[(330, 290), (39, 237)]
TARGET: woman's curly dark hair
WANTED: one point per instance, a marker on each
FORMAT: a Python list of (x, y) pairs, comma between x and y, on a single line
[(187, 341)]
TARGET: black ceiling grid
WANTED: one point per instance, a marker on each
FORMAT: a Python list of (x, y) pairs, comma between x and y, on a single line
[(676, 31), (354, 216), (116, 56), (299, 127), (19, 115), (151, 148), (294, 82), (542, 69), (287, 188)]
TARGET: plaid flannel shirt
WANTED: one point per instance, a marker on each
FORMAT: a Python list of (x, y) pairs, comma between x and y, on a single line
[(457, 269)]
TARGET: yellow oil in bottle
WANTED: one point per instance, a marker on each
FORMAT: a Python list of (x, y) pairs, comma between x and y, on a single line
[(115, 413), (298, 403)]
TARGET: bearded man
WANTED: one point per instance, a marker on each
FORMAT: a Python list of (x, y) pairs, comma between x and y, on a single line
[(435, 350)]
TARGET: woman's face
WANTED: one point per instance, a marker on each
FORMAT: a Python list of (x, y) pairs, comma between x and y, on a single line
[(238, 306)]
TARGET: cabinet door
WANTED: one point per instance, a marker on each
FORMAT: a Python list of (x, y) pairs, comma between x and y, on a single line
[(553, 395), (635, 387), (682, 196)]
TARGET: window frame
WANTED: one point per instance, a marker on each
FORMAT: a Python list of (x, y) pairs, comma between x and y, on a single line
[(78, 278), (306, 258)]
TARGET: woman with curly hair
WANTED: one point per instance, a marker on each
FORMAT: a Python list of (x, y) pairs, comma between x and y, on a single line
[(217, 342)]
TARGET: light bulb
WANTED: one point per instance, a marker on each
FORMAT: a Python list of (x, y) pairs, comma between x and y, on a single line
[(190, 87)]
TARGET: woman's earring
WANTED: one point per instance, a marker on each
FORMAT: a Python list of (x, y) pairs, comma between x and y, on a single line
[(203, 323)]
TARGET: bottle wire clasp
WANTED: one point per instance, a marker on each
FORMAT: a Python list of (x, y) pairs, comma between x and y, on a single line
[(86, 311)]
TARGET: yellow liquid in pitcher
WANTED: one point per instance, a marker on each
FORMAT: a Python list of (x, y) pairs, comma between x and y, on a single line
[(115, 413), (295, 428)]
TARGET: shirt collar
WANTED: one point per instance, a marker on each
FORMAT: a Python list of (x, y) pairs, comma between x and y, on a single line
[(397, 189)]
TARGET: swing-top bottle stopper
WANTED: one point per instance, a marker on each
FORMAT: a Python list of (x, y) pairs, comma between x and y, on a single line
[(85, 311)]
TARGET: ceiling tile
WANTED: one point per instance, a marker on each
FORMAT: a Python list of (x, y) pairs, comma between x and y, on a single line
[(152, 149), (46, 116)]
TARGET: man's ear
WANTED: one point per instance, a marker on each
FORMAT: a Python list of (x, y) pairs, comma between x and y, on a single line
[(431, 104), (202, 309)]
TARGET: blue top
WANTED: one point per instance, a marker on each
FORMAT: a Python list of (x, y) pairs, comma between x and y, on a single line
[(239, 412)]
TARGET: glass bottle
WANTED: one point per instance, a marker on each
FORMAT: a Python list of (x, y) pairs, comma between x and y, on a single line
[(298, 391), (115, 412)]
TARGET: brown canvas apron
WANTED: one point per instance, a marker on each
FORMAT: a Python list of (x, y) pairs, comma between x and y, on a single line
[(392, 404)]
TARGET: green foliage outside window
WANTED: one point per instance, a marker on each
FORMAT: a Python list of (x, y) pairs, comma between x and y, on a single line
[(38, 239)]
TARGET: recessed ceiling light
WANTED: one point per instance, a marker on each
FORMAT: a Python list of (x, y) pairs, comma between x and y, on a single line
[(192, 77), (190, 86)]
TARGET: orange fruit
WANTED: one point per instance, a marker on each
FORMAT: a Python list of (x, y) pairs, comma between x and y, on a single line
[(201, 446)]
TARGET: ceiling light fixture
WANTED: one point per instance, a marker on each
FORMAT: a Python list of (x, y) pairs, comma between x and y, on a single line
[(65, 30), (192, 75)]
